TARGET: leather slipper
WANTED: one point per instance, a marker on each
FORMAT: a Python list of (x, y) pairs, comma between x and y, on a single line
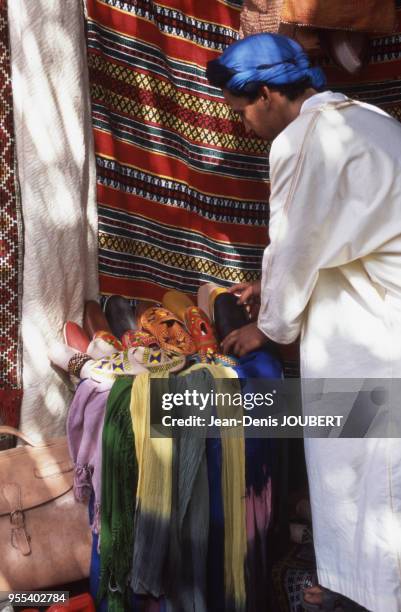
[(134, 339), (120, 315), (158, 360), (228, 314), (94, 319), (75, 337), (132, 362), (177, 303), (201, 330), (227, 361), (100, 347), (109, 339), (60, 354), (67, 358), (116, 365), (141, 306), (168, 330), (206, 295)]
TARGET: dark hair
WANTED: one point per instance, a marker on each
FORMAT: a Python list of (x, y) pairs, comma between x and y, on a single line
[(219, 75)]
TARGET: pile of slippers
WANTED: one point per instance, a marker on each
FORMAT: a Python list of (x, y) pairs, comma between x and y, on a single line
[(125, 340)]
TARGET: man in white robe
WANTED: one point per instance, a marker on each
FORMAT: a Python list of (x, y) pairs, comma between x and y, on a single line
[(331, 275)]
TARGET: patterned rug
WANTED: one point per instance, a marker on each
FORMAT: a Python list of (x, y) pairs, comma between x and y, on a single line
[(10, 246), (182, 189)]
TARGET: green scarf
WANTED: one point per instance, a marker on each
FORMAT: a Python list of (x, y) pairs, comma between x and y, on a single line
[(119, 483)]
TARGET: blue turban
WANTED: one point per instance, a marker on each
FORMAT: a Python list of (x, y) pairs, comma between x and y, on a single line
[(271, 59)]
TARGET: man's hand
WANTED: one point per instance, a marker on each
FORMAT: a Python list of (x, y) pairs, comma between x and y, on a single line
[(248, 293), (244, 340)]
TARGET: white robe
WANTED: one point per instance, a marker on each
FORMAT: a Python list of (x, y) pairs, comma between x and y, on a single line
[(332, 273)]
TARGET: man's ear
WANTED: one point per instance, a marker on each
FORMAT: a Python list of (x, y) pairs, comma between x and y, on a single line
[(265, 93)]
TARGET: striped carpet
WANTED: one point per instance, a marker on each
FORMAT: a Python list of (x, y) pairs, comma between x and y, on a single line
[(182, 189)]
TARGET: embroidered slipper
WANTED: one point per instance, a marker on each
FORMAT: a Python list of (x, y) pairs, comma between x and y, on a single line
[(134, 361), (109, 338), (228, 314), (213, 359), (201, 330), (168, 330), (94, 318), (113, 366), (206, 295), (135, 338), (67, 358), (103, 346), (158, 360), (120, 315), (60, 354), (177, 303), (140, 307), (75, 337)]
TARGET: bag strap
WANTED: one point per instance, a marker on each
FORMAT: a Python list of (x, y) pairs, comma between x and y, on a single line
[(11, 431)]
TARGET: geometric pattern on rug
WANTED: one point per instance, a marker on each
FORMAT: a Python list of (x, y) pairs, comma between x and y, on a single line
[(10, 245), (182, 188)]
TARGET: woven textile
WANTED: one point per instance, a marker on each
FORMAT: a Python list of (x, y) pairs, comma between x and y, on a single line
[(182, 188), (260, 16), (10, 245), (359, 15)]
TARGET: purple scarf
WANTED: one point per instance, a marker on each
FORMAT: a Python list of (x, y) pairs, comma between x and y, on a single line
[(84, 434)]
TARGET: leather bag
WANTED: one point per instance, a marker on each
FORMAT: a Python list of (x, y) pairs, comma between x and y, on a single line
[(45, 538)]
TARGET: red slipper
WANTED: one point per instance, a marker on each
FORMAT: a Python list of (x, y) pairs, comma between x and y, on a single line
[(94, 319), (201, 330), (75, 337), (135, 338)]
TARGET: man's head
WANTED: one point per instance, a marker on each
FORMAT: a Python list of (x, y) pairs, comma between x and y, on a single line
[(265, 78)]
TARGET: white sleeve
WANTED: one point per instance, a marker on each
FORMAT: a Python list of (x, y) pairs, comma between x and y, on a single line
[(330, 203)]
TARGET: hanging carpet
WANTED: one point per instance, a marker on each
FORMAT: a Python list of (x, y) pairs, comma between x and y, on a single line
[(11, 237), (181, 187)]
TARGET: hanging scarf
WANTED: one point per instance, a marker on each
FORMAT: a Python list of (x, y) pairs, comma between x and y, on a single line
[(84, 435), (119, 483), (261, 473), (153, 505), (154, 496), (188, 546), (233, 493)]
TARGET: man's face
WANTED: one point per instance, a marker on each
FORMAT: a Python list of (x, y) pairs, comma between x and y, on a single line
[(262, 116)]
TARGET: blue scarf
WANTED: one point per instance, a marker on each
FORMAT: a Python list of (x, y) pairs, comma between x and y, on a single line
[(269, 59)]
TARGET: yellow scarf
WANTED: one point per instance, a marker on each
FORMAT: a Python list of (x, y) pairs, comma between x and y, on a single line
[(154, 457)]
